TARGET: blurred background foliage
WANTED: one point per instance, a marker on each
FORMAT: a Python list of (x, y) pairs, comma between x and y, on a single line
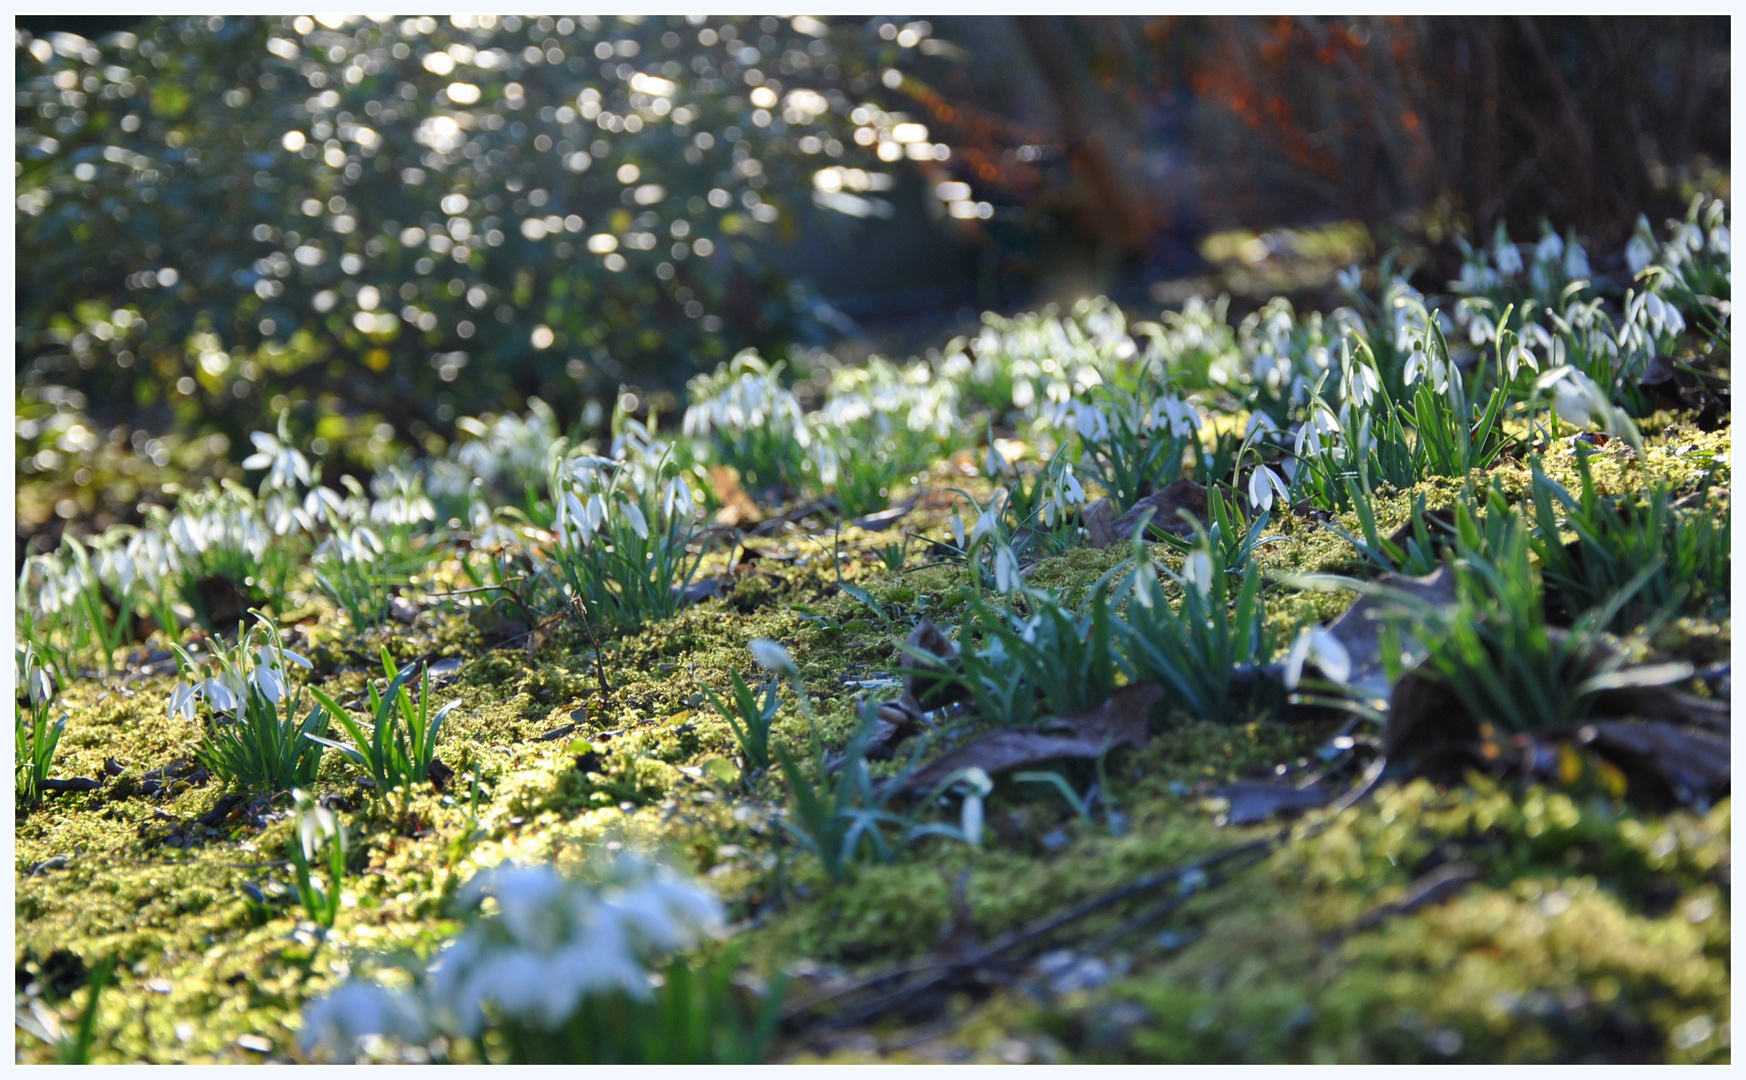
[(381, 226)]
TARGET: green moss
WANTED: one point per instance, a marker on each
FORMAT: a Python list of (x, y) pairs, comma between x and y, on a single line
[(1592, 928)]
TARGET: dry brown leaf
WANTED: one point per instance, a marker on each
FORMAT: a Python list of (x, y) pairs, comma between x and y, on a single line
[(737, 508), (1123, 720), (1359, 628)]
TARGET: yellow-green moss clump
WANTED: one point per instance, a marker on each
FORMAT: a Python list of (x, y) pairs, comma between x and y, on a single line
[(1590, 929)]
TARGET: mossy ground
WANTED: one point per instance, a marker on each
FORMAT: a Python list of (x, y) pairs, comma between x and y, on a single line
[(1595, 929)]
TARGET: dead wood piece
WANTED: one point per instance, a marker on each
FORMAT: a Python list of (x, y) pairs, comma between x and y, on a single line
[(1166, 508), (1253, 801)]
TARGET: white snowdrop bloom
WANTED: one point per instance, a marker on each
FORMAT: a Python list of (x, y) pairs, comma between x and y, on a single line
[(334, 1026), (1475, 278), (1508, 258), (1006, 570), (220, 693), (1330, 656), (586, 467), (1350, 279), (1197, 570), (984, 527), (189, 534), (661, 912), (1264, 483), (1640, 249), (554, 941), (1259, 421), (1480, 329), (1090, 422), (1550, 249), (1574, 395), (994, 464), (1720, 241), (1519, 356), (270, 681), (1421, 365), (638, 523), (284, 516), (182, 699), (1576, 266), (314, 821), (1687, 239), (1176, 415), (1362, 382), (115, 566), (287, 463), (1673, 320), (958, 529), (1072, 492), (32, 677), (770, 655), (1654, 307), (677, 500)]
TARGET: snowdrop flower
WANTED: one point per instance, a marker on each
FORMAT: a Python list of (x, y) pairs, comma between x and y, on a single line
[(1640, 249), (1350, 279), (1330, 656), (1007, 578), (1720, 242), (1263, 483), (268, 677), (314, 821), (1518, 357), (984, 527), (334, 1026), (286, 462), (1687, 239), (221, 693), (1197, 570), (1422, 365), (677, 500), (1259, 421), (994, 463), (975, 787), (638, 523), (189, 534), (1480, 329), (958, 529), (182, 700), (1090, 422), (270, 681), (1072, 492), (1362, 382), (1476, 277), (1576, 266), (770, 655), (1550, 249), (1575, 396), (36, 681), (1182, 418), (554, 941), (1507, 256)]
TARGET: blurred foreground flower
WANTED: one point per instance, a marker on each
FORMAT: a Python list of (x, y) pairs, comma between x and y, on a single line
[(552, 947)]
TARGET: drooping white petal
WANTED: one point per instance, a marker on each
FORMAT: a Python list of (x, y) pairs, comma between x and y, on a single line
[(770, 655)]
